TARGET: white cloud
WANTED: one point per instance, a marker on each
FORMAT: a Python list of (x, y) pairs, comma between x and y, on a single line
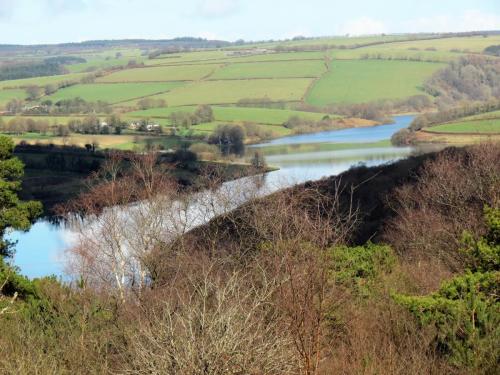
[(470, 20), (218, 8), (363, 26)]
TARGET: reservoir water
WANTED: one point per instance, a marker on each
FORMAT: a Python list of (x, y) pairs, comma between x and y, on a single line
[(300, 158)]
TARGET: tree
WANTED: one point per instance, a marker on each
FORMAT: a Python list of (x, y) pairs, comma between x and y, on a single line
[(258, 161), (14, 213), (33, 92), (62, 131), (204, 113), (230, 139), (15, 105), (50, 89)]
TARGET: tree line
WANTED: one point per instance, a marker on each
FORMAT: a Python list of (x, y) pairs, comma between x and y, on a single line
[(472, 78), (466, 109), (202, 114)]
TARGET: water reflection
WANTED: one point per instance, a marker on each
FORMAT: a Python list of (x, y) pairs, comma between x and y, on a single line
[(39, 251)]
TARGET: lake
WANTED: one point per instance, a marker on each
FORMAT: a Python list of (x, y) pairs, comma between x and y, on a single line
[(300, 158)]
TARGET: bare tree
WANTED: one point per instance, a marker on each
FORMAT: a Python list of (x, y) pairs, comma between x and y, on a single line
[(213, 320), (124, 216)]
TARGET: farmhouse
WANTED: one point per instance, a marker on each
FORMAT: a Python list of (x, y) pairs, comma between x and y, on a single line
[(142, 126), (153, 127)]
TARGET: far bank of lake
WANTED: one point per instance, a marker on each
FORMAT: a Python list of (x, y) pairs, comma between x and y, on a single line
[(300, 158)]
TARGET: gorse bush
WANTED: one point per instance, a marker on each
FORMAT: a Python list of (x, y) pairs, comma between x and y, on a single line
[(465, 311), (360, 267), (483, 255)]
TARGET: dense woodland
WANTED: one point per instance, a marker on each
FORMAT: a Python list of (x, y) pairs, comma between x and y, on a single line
[(17, 71), (467, 87), (469, 78)]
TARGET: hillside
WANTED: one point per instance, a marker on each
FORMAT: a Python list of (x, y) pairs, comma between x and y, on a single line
[(277, 80), (264, 281)]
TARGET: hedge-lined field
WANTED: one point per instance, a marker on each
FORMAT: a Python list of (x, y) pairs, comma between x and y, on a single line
[(40, 81), (478, 126), (229, 92), (360, 81), (8, 95), (279, 69), (112, 92), (159, 74)]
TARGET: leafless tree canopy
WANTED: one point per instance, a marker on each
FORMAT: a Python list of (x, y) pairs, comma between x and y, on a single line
[(447, 199)]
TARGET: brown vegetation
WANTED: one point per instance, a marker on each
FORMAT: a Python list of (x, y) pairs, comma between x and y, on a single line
[(256, 290), (446, 200)]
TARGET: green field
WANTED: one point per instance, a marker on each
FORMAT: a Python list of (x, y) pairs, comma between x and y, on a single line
[(40, 81), (368, 80), (113, 92), (357, 73), (160, 112), (490, 126), (280, 69), (100, 63), (261, 115), (187, 57), (7, 95), (58, 120), (387, 52), (160, 74), (338, 41), (278, 57), (230, 92), (471, 44), (487, 115), (234, 114)]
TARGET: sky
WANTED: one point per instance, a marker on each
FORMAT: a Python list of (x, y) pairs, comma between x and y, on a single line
[(56, 21)]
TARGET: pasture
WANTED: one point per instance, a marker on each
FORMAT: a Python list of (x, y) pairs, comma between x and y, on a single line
[(7, 95), (279, 69), (176, 58), (164, 112), (285, 56), (94, 64), (362, 81), (262, 115), (53, 120), (112, 92), (360, 70), (230, 92), (122, 142), (468, 44), (266, 116), (487, 126), (387, 52), (40, 81), (159, 74)]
